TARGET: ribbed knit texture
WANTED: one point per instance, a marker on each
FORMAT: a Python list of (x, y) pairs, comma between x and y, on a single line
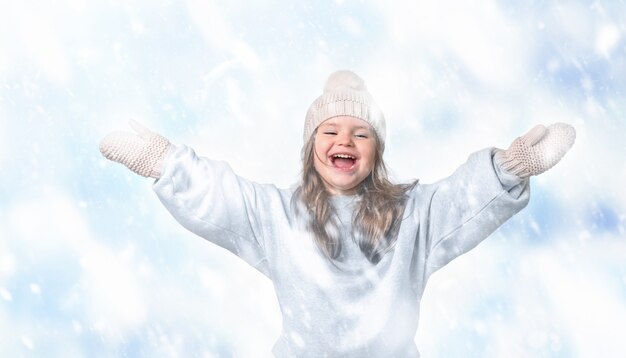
[(345, 95), (141, 154), (537, 151)]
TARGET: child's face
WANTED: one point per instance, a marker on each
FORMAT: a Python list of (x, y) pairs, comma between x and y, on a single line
[(344, 152)]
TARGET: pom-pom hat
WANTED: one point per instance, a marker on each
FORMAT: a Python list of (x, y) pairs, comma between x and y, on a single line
[(345, 94)]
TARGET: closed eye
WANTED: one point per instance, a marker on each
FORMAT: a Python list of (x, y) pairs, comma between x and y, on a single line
[(330, 133)]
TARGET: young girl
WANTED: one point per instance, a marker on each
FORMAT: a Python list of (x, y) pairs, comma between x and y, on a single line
[(349, 253)]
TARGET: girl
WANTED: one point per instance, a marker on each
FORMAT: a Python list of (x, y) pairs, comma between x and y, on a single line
[(349, 253)]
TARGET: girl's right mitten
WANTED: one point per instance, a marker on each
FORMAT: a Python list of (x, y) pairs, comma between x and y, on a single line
[(142, 152)]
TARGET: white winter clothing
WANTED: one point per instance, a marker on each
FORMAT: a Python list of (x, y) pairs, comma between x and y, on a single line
[(352, 308)]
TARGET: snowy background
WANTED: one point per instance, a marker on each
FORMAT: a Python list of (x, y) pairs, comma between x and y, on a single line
[(91, 264)]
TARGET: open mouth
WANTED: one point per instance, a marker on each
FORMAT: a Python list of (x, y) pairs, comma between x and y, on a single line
[(343, 161)]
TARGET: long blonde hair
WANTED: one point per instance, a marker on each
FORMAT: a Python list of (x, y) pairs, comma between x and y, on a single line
[(377, 218)]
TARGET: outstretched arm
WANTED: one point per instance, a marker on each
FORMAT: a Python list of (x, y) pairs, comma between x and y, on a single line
[(465, 208), (205, 196)]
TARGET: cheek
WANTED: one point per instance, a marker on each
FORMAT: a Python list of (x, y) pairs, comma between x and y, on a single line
[(320, 150), (370, 158)]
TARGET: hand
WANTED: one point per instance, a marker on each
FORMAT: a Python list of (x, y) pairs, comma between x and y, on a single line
[(142, 152), (537, 151)]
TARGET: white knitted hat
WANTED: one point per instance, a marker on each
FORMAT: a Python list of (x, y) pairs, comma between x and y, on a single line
[(345, 95)]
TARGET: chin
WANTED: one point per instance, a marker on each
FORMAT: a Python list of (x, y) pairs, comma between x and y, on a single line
[(347, 189)]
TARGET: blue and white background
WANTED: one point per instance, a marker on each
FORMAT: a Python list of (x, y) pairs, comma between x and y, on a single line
[(92, 266)]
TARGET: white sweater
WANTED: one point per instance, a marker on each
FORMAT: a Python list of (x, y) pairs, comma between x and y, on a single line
[(352, 308)]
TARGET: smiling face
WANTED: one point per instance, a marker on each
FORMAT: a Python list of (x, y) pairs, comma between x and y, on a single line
[(344, 152)]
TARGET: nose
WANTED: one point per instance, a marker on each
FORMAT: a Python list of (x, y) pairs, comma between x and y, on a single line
[(345, 139)]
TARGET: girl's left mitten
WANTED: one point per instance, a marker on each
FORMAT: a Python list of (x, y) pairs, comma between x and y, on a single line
[(536, 151), (142, 152)]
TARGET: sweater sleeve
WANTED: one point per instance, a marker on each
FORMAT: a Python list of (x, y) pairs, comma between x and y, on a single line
[(458, 212), (210, 200)]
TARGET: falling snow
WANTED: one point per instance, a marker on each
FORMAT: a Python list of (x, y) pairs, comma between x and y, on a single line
[(92, 265)]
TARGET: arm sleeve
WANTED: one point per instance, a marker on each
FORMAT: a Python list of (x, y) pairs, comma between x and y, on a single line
[(458, 212), (210, 200)]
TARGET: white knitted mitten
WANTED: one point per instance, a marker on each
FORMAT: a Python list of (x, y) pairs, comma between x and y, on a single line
[(142, 153), (537, 151)]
